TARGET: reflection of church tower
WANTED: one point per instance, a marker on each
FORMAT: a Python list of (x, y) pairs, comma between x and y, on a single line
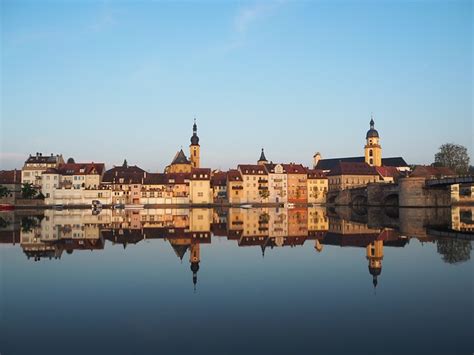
[(375, 256), (318, 246), (194, 259), (373, 150), (194, 148), (263, 159)]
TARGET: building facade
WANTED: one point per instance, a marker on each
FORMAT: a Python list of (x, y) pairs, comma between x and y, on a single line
[(35, 165), (255, 182), (317, 186), (297, 183)]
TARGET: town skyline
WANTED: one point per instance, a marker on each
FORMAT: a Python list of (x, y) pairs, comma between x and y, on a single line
[(129, 80)]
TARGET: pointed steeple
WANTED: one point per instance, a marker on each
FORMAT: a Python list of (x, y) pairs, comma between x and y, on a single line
[(194, 137), (263, 159)]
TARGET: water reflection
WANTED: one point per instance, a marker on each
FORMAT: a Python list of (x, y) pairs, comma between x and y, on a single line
[(50, 234)]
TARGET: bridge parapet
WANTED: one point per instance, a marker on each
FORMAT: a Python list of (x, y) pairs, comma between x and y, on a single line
[(450, 181)]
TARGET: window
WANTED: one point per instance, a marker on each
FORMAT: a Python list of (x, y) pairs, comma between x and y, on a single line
[(371, 153), (371, 161), (200, 194)]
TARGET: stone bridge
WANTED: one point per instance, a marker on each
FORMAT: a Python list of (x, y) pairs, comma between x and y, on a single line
[(409, 192), (374, 194)]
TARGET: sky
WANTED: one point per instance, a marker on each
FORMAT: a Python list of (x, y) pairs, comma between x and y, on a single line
[(106, 80)]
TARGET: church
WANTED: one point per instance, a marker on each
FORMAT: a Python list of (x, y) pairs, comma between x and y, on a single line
[(372, 156), (180, 163)]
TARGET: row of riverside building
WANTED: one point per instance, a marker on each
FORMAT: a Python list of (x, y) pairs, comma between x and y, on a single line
[(185, 182)]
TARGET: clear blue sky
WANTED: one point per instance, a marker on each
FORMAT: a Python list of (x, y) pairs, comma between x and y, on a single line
[(104, 81)]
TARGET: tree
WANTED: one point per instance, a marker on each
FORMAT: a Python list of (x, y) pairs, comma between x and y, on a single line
[(453, 250), (3, 191), (28, 191), (453, 156)]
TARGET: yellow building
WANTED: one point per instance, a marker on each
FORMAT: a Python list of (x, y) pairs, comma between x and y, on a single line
[(317, 186), (373, 150), (350, 175), (200, 186), (255, 184), (235, 186)]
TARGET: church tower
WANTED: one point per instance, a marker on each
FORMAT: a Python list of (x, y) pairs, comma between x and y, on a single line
[(194, 148), (194, 259), (375, 256), (373, 150)]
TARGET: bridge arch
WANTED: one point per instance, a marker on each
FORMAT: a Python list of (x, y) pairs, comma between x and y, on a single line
[(359, 200), (390, 200)]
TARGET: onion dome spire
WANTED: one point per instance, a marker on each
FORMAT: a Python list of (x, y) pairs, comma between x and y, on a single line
[(195, 138), (372, 132)]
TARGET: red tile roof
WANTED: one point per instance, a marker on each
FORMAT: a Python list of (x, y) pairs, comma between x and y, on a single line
[(316, 174), (155, 179), (271, 168), (219, 178), (81, 169), (10, 176), (388, 171), (344, 168), (234, 175), (129, 174), (294, 168), (200, 174), (252, 169), (431, 171), (178, 178)]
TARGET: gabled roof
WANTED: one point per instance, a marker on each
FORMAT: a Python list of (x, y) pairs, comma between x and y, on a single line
[(154, 179), (180, 158), (251, 169), (271, 168), (345, 168), (316, 174), (294, 168), (200, 174), (78, 169), (129, 174), (234, 175), (388, 171), (329, 164), (177, 178), (219, 178), (431, 171)]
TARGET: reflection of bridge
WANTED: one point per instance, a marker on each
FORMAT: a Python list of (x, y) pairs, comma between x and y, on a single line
[(409, 192)]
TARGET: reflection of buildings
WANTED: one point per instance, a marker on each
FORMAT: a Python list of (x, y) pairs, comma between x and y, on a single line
[(49, 233)]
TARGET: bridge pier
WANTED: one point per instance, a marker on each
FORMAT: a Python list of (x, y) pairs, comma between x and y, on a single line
[(414, 193)]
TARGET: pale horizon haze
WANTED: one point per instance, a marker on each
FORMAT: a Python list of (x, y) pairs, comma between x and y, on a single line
[(105, 81)]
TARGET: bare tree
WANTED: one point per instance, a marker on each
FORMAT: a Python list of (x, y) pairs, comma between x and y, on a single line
[(453, 156)]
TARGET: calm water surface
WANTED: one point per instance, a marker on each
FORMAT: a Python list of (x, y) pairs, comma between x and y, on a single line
[(259, 281)]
